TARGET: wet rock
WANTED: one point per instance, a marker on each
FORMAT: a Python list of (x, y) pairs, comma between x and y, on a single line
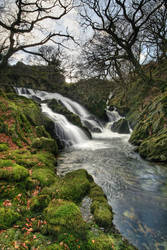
[(36, 99), (121, 127), (85, 209)]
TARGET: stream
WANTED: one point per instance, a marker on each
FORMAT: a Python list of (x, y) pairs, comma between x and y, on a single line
[(136, 189)]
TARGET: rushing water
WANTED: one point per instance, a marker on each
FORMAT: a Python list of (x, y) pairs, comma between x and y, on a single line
[(136, 189)]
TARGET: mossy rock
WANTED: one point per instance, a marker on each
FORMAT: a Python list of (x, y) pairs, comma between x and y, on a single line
[(74, 186), (41, 131), (155, 148), (100, 208), (45, 176), (30, 159), (102, 213), (39, 202), (59, 108), (12, 172), (150, 132), (47, 144), (8, 217), (3, 147), (64, 216), (107, 242), (121, 127)]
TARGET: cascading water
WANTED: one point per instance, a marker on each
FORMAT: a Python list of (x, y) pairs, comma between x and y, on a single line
[(136, 189), (67, 132)]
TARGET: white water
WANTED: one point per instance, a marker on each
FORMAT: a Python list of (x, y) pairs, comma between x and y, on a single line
[(66, 131)]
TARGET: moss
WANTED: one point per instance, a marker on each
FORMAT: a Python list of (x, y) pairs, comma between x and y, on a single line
[(41, 131), (13, 172), (64, 216), (107, 242), (3, 147), (14, 239), (155, 149), (100, 208), (150, 132), (74, 186), (47, 144), (102, 213), (28, 159), (10, 190), (55, 247), (39, 202), (8, 217), (44, 176)]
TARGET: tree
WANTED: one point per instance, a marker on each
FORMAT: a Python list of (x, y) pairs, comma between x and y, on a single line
[(156, 34), (22, 25), (124, 22)]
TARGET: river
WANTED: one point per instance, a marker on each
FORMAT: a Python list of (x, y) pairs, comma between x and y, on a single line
[(136, 189)]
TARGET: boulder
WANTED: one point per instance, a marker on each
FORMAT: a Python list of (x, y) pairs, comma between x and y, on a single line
[(121, 127)]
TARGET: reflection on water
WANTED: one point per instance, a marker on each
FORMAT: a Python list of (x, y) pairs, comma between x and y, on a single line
[(136, 190)]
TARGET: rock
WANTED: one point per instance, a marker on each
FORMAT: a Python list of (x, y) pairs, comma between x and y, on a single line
[(36, 99), (121, 127), (150, 133), (47, 144), (63, 216)]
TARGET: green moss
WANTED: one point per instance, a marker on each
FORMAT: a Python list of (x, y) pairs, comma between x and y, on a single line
[(102, 213), (39, 202), (74, 186), (13, 172), (10, 190), (14, 239), (100, 208), (55, 247), (3, 147), (107, 242), (150, 132), (45, 176), (64, 216), (155, 149), (7, 217), (28, 159), (41, 131), (47, 144)]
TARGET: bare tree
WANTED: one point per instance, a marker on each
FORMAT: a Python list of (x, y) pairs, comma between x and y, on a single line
[(22, 25), (124, 22), (156, 34)]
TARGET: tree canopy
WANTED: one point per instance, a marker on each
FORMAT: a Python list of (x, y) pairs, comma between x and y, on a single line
[(23, 25)]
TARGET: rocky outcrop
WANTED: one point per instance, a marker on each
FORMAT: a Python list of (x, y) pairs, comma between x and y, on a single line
[(150, 133)]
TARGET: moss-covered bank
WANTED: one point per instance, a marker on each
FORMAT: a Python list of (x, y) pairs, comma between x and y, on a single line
[(38, 209), (146, 110)]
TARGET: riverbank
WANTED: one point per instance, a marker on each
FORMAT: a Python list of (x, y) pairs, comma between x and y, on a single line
[(38, 208)]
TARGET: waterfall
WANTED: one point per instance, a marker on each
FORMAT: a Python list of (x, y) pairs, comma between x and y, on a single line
[(67, 132)]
